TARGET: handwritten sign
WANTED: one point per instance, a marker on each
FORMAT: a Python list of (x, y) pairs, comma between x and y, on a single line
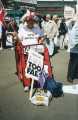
[(34, 64), (29, 38), (69, 12)]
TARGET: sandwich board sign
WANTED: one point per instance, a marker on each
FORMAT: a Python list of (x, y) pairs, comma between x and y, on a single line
[(34, 64)]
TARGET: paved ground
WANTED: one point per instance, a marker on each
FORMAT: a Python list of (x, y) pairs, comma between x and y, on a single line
[(14, 103)]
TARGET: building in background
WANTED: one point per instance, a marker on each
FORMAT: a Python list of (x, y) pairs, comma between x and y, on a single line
[(16, 8), (54, 6)]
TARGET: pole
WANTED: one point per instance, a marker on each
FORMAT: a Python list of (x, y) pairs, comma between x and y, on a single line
[(77, 7), (31, 89)]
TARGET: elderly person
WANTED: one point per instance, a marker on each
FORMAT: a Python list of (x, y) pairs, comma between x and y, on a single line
[(29, 34)]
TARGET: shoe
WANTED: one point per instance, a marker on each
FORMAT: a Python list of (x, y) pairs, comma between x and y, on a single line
[(26, 88), (70, 80)]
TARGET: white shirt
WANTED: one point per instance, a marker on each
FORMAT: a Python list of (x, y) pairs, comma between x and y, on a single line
[(50, 28), (73, 36)]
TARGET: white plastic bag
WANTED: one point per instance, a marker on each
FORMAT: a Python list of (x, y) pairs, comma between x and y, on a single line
[(9, 41), (41, 98)]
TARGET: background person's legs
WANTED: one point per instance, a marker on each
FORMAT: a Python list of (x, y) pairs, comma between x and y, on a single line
[(62, 42), (72, 67)]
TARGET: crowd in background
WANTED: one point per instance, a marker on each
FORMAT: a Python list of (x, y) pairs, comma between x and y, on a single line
[(7, 26), (54, 28)]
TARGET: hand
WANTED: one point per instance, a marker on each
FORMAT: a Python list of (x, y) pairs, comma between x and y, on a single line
[(40, 40), (14, 34)]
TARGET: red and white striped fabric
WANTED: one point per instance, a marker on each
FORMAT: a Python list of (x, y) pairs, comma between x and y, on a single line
[(29, 15)]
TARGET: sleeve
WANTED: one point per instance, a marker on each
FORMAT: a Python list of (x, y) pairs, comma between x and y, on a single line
[(40, 32)]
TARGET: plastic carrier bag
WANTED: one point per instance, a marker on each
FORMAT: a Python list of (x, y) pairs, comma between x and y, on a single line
[(54, 87), (9, 41), (41, 97)]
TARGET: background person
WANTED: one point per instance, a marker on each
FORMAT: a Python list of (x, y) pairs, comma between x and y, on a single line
[(73, 61), (47, 26), (62, 33)]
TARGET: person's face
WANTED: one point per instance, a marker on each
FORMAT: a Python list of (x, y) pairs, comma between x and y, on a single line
[(47, 18), (30, 24), (56, 20)]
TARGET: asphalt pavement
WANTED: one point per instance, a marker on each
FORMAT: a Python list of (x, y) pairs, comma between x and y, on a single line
[(14, 102)]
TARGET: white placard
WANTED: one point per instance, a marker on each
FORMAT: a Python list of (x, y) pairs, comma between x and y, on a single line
[(34, 64), (30, 38), (37, 48), (70, 89), (69, 12), (9, 41)]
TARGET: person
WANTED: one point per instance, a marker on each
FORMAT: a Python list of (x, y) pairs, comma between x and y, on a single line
[(12, 26), (2, 29), (29, 34), (73, 61), (62, 33), (0, 35), (56, 22), (48, 29)]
